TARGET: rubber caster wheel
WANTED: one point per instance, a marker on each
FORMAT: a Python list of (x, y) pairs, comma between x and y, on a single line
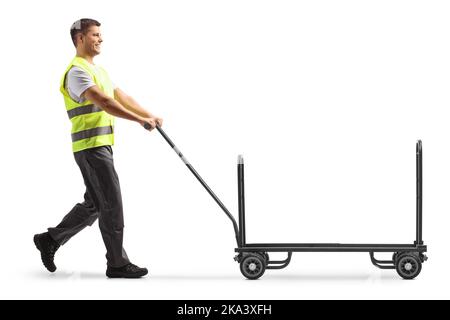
[(253, 266), (408, 266)]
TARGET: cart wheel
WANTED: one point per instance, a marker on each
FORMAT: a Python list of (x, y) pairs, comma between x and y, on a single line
[(253, 266), (408, 266)]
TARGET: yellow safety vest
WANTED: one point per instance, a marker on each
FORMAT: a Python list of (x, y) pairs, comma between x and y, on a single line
[(91, 126)]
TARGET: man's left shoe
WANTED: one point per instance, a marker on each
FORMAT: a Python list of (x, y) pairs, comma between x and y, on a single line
[(48, 247)]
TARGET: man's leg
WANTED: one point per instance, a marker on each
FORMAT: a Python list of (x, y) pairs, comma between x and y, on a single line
[(106, 185), (82, 215), (103, 184)]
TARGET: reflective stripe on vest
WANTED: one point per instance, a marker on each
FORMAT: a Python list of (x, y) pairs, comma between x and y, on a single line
[(78, 111), (89, 133)]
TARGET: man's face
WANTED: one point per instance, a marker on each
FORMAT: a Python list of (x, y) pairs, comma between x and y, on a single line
[(91, 41)]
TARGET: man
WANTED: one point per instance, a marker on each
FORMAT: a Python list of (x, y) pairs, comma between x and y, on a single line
[(92, 101)]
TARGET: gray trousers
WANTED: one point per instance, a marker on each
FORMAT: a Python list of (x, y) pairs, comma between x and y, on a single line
[(102, 200)]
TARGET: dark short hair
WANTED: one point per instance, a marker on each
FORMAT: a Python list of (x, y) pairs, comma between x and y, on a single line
[(82, 26)]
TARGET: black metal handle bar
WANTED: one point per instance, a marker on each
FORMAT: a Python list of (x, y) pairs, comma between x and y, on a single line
[(419, 184), (199, 178)]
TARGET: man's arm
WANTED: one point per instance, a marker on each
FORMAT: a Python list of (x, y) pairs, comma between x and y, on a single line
[(132, 105), (115, 108)]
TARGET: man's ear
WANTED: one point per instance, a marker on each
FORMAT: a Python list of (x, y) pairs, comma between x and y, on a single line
[(80, 37)]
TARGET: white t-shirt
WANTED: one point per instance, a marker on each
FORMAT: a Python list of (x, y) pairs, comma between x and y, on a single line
[(77, 82)]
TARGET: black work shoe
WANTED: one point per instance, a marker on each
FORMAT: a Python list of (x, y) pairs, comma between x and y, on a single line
[(128, 271), (47, 246)]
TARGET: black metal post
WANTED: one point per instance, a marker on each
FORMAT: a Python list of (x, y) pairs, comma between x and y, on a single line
[(241, 200), (203, 183), (419, 182)]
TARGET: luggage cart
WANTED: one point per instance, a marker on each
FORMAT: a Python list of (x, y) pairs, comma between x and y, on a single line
[(254, 258)]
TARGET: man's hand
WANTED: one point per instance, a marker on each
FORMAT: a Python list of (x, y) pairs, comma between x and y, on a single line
[(148, 123), (159, 121)]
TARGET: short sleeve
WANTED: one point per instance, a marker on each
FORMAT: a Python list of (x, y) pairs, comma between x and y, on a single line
[(77, 82)]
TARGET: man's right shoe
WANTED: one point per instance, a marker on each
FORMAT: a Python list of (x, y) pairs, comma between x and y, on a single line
[(47, 246), (129, 271)]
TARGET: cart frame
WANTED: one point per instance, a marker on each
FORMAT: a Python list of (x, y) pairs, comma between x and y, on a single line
[(254, 259)]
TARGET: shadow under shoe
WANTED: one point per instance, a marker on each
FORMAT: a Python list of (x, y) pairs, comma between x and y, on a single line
[(129, 271), (47, 247)]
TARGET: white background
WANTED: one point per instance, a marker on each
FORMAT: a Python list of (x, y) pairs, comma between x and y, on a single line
[(325, 100)]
